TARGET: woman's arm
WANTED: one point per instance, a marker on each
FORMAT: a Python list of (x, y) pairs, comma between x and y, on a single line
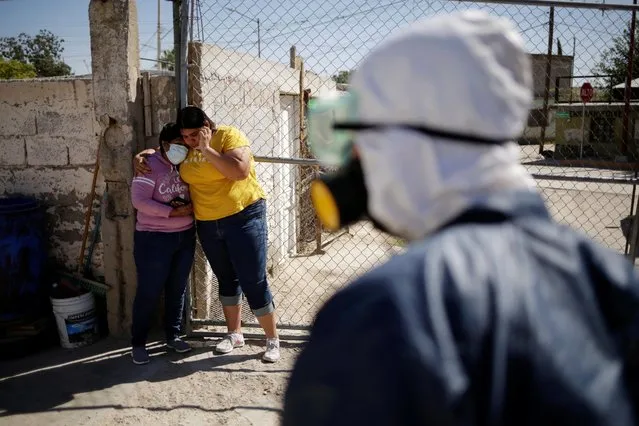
[(140, 166), (234, 164), (142, 199)]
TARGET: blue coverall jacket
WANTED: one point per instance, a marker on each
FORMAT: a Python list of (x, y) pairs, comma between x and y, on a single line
[(502, 317)]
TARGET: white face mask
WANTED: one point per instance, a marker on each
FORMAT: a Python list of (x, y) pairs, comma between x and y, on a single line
[(176, 153)]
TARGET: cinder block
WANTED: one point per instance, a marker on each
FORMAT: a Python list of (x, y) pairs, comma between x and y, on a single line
[(163, 101), (37, 93), (83, 92), (46, 151), (82, 152), (260, 95), (213, 91), (251, 93), (223, 114), (12, 151), (233, 93), (54, 186), (17, 120), (66, 123)]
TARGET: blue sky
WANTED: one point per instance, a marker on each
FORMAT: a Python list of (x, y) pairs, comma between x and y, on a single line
[(330, 34), (69, 19)]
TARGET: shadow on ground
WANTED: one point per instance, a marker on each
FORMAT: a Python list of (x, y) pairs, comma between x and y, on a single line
[(53, 378)]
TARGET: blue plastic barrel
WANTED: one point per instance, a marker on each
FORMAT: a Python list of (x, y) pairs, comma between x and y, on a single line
[(22, 257)]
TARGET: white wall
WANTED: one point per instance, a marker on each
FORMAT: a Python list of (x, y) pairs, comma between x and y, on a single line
[(254, 95), (218, 63), (284, 196), (254, 109)]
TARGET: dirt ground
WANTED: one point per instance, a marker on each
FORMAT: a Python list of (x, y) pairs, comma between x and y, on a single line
[(99, 385)]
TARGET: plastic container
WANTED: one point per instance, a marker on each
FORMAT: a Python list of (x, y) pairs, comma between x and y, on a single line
[(22, 258), (76, 320)]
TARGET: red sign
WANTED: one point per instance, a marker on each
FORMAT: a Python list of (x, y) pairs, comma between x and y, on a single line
[(587, 92)]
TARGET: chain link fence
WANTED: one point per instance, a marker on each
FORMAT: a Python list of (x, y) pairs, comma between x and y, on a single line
[(255, 65)]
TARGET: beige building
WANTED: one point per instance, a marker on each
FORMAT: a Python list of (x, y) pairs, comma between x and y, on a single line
[(561, 66)]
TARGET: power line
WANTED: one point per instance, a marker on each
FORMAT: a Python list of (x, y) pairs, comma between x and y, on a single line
[(329, 20), (170, 30)]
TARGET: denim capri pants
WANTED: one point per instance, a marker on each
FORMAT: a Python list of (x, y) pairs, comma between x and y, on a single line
[(236, 247)]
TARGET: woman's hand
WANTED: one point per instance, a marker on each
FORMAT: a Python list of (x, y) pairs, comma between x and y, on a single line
[(234, 164), (140, 165), (204, 138), (186, 210)]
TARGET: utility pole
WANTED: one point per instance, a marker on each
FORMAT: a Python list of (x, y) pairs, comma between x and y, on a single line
[(259, 37), (192, 19), (628, 92), (551, 27), (159, 39)]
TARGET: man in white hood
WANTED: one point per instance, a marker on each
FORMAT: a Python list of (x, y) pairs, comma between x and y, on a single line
[(495, 314)]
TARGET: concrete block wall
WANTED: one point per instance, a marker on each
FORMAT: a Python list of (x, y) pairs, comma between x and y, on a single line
[(262, 98), (218, 63), (255, 109), (561, 66), (162, 105), (48, 149), (534, 132)]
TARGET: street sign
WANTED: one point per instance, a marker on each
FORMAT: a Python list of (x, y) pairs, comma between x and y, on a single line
[(586, 93)]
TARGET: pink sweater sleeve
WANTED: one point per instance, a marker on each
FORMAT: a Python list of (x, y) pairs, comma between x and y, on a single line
[(142, 198)]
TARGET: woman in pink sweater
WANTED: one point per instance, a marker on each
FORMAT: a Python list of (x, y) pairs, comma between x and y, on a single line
[(164, 243)]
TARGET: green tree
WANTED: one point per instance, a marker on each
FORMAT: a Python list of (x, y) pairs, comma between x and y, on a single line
[(342, 77), (168, 60), (614, 60), (12, 69), (43, 51)]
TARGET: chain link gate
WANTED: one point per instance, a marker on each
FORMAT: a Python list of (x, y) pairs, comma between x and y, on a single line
[(255, 65)]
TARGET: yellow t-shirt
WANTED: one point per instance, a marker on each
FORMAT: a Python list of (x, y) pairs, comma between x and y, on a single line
[(213, 195)]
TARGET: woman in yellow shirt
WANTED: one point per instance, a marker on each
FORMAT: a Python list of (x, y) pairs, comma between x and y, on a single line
[(230, 211)]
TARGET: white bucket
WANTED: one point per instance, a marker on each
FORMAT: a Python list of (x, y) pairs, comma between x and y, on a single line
[(76, 320)]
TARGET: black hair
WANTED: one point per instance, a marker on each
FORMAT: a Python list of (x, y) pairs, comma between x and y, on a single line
[(169, 132), (192, 117)]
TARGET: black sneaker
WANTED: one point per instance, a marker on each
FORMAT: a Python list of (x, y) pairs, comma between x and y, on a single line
[(140, 355), (178, 345)]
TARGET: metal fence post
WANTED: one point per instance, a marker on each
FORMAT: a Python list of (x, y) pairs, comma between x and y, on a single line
[(633, 235), (551, 27), (180, 43), (628, 91)]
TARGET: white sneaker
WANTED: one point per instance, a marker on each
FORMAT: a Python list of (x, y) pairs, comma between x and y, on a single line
[(230, 342), (272, 353)]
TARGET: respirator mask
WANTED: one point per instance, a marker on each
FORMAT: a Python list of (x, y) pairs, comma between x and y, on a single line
[(340, 197), (176, 154)]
